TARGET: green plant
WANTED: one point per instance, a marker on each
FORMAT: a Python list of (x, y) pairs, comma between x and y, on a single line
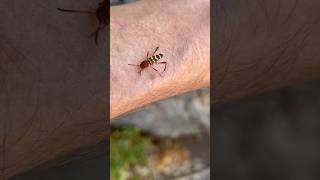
[(127, 148)]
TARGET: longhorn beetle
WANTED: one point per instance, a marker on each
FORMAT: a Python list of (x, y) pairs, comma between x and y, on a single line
[(102, 14), (151, 60)]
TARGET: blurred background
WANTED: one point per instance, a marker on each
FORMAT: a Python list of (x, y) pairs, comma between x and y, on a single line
[(274, 135), (178, 130)]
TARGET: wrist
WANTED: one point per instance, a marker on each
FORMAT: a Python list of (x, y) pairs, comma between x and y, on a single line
[(183, 39)]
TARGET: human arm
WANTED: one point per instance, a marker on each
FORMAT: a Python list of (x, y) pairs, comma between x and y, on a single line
[(263, 45), (52, 84), (180, 28)]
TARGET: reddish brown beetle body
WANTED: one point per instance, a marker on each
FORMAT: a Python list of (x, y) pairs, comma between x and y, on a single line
[(150, 61)]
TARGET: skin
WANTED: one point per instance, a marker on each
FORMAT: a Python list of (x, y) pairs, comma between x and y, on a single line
[(53, 83), (263, 45), (180, 28)]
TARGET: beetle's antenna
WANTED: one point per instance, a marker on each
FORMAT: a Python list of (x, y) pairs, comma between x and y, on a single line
[(133, 64), (75, 11)]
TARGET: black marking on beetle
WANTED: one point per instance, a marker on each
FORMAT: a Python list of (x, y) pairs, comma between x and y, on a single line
[(149, 61)]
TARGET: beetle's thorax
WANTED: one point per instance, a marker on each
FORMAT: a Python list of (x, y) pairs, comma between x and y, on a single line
[(144, 64)]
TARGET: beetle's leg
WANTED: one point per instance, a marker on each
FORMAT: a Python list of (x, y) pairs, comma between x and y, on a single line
[(140, 72), (156, 70), (155, 50), (96, 33), (165, 65)]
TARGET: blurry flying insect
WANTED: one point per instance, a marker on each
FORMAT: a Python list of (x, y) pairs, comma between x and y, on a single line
[(102, 14), (149, 61)]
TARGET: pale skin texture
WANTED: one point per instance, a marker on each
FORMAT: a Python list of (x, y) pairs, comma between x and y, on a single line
[(180, 28)]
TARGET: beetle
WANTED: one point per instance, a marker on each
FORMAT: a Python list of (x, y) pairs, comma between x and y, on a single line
[(149, 61), (102, 13)]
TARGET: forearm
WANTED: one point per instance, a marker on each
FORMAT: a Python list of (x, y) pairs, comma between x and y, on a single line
[(52, 86), (262, 45), (180, 29), (44, 120)]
